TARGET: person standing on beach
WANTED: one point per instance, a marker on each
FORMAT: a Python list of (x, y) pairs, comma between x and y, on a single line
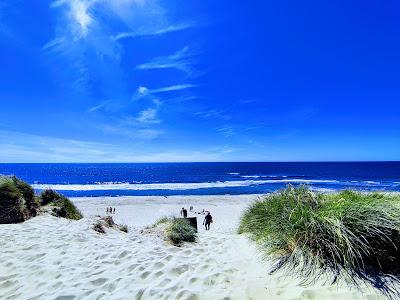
[(184, 212), (114, 210), (207, 221)]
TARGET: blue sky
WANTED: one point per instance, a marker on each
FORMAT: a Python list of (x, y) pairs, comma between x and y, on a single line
[(142, 80)]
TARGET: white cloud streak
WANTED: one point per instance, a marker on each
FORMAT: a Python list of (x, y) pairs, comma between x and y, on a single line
[(21, 147), (179, 60), (213, 113), (143, 91), (148, 116), (153, 32), (107, 106)]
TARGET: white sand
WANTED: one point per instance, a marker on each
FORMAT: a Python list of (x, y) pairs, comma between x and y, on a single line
[(50, 258)]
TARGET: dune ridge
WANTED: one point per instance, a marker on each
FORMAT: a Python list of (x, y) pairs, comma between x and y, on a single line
[(51, 258)]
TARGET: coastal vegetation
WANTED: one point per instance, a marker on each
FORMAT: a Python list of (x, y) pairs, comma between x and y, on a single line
[(18, 202), (124, 228), (175, 230), (62, 206), (348, 235), (107, 222), (179, 231)]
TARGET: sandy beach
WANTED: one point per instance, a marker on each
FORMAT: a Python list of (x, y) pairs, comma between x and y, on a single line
[(53, 258)]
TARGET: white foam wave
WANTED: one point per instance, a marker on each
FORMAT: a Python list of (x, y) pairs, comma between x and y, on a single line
[(169, 186)]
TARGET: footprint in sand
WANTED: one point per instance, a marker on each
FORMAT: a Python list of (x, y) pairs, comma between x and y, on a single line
[(168, 257), (144, 275), (123, 254), (159, 265), (67, 297), (180, 269), (99, 281), (164, 282), (132, 267)]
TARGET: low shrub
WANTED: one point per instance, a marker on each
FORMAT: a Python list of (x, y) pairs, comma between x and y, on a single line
[(124, 228), (179, 231), (48, 196), (98, 227), (12, 203), (63, 207), (350, 235), (108, 221), (162, 220), (28, 194)]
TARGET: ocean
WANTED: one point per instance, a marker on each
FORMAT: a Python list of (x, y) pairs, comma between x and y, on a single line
[(233, 178)]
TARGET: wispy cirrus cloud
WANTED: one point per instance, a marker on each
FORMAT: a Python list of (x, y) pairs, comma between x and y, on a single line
[(143, 91), (179, 60), (148, 116), (107, 106), (227, 131), (153, 31), (22, 147), (84, 49), (213, 113), (133, 133)]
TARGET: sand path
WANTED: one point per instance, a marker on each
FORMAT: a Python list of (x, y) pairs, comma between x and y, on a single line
[(50, 258)]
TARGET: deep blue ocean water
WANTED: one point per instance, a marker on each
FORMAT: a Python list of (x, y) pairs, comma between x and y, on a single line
[(204, 178)]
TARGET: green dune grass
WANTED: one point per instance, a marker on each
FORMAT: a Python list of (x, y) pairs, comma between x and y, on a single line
[(18, 202), (63, 207), (348, 235), (176, 230)]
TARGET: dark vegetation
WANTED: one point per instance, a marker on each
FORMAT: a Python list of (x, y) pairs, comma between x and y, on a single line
[(175, 230), (98, 227), (18, 202), (349, 235), (123, 228), (107, 222), (179, 231)]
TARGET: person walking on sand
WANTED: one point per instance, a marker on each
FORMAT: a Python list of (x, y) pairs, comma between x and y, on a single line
[(114, 210), (207, 221), (184, 212)]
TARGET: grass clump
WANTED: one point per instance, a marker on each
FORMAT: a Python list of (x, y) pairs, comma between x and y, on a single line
[(98, 227), (179, 231), (63, 207), (31, 202), (17, 200), (160, 221), (124, 228), (12, 203), (175, 230), (350, 235)]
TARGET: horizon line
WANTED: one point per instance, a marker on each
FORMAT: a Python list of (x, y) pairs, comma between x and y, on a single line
[(205, 162)]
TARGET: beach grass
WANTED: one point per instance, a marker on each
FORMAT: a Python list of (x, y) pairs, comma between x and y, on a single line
[(124, 228), (63, 207), (175, 230), (179, 231), (348, 235), (17, 200), (12, 203)]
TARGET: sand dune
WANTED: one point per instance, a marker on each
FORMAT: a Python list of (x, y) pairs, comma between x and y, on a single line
[(50, 258)]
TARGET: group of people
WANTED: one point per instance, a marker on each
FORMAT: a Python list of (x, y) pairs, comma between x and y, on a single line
[(110, 210), (207, 220)]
